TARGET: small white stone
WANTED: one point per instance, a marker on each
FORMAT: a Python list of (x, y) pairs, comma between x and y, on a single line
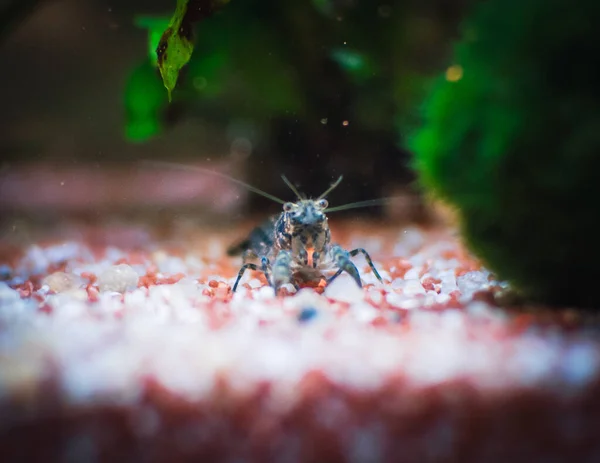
[(411, 303), (240, 295), (471, 282), (118, 278), (60, 282), (442, 298), (344, 289), (412, 274), (264, 293), (397, 283), (369, 278), (448, 279), (306, 297), (364, 313), (395, 299), (385, 276), (413, 288), (255, 283)]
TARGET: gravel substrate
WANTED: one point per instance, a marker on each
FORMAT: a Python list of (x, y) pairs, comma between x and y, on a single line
[(114, 353)]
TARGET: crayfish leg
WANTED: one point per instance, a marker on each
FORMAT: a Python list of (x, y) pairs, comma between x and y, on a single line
[(265, 266), (341, 258), (282, 269), (354, 252)]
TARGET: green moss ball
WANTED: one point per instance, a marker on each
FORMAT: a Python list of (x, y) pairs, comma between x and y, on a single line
[(511, 138)]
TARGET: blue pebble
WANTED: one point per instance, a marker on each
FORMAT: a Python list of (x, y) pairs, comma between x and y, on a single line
[(307, 314), (5, 272)]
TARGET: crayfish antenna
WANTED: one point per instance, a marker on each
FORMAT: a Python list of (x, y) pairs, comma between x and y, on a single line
[(292, 187), (332, 187), (173, 165)]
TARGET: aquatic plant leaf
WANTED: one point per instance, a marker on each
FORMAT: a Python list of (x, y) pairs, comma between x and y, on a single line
[(176, 45), (156, 25)]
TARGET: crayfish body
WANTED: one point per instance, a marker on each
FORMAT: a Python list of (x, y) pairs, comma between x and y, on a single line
[(297, 242)]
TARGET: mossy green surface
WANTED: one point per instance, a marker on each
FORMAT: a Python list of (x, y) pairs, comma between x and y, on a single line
[(514, 144)]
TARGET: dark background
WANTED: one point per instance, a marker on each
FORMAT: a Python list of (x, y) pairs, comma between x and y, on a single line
[(68, 67)]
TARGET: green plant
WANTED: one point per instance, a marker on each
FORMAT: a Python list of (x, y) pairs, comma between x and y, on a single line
[(514, 144)]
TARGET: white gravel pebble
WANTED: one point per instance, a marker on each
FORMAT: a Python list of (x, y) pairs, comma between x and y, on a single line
[(344, 289), (104, 343), (60, 281), (118, 278)]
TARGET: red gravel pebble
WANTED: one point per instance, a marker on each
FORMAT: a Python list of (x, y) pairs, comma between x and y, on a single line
[(424, 367)]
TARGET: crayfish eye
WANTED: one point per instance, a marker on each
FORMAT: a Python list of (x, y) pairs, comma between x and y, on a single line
[(287, 207), (322, 204)]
